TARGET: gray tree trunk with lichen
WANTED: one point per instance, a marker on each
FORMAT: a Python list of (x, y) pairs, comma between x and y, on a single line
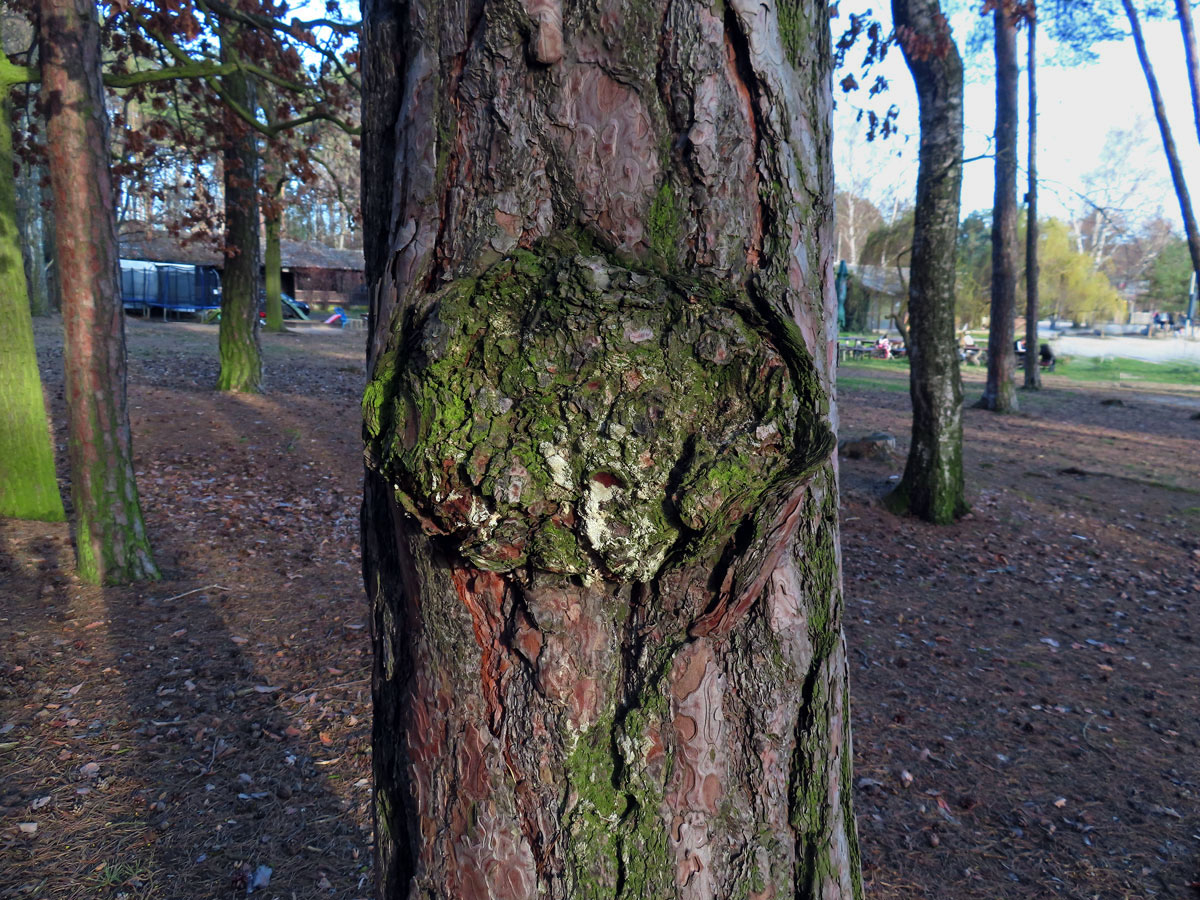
[(932, 486), (600, 523)]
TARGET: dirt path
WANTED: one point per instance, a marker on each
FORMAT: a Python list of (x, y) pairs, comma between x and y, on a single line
[(1024, 683), (168, 739)]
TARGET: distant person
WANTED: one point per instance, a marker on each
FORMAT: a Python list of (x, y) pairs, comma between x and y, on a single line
[(1046, 357), (884, 347)]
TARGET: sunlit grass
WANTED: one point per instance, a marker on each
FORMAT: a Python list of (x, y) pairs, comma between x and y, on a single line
[(1118, 369)]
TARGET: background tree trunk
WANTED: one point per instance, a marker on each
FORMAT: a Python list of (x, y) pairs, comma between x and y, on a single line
[(29, 226), (110, 535), (1033, 372), (241, 357), (932, 486), (1188, 28), (1000, 393), (28, 486), (273, 259), (1164, 128), (50, 248), (600, 527)]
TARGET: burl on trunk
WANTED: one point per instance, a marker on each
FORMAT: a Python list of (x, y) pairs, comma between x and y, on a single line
[(600, 527)]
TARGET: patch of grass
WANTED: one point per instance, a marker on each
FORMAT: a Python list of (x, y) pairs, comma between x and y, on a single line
[(1118, 369), (124, 874), (872, 384)]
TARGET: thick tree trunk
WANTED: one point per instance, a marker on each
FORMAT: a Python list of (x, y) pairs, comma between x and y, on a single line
[(932, 486), (273, 259), (241, 357), (1164, 128), (1000, 393), (110, 535), (600, 527), (28, 487), (1033, 372)]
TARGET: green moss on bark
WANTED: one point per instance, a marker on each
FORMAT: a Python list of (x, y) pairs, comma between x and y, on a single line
[(606, 419), (28, 488)]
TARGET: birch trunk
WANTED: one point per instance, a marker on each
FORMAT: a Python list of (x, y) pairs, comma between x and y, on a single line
[(600, 526)]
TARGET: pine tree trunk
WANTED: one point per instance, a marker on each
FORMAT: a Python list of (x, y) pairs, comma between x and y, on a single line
[(28, 487), (1033, 372), (241, 357), (1000, 393), (600, 526), (932, 486), (1191, 231), (110, 535)]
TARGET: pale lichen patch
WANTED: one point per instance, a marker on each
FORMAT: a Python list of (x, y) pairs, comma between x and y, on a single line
[(567, 412)]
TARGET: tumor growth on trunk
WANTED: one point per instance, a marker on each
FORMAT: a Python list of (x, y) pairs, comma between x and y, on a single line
[(600, 525)]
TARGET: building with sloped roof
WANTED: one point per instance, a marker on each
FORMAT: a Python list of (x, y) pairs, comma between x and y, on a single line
[(312, 273)]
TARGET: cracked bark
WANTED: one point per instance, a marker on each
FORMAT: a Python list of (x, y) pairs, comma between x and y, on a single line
[(932, 486), (600, 518), (110, 536)]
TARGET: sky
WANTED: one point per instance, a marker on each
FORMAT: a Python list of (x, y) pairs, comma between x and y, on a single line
[(1077, 108)]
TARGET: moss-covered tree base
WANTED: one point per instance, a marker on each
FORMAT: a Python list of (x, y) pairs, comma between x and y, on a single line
[(28, 487)]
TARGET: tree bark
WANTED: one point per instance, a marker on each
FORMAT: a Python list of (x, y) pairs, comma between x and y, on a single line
[(110, 536), (1000, 395), (28, 486), (273, 259), (241, 357), (932, 486), (29, 226), (1187, 26), (50, 248), (1033, 371), (600, 525), (1191, 231)]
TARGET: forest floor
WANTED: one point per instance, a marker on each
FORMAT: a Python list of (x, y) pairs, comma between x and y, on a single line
[(1024, 683)]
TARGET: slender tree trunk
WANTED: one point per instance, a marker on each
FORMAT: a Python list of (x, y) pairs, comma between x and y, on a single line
[(28, 487), (241, 357), (1033, 372), (600, 526), (1164, 128), (110, 535), (273, 260), (1183, 9), (932, 486), (1000, 393), (50, 248), (29, 225)]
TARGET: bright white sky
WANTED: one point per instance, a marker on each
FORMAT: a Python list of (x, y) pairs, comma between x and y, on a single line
[(1077, 107)]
